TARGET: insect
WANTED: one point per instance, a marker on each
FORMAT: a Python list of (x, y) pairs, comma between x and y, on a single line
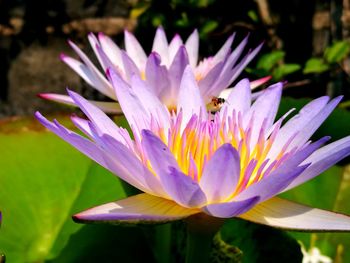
[(215, 104)]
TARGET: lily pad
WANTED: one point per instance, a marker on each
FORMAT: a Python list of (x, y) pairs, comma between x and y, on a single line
[(43, 181)]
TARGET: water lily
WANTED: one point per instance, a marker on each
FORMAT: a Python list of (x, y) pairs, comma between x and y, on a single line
[(189, 161), (162, 69)]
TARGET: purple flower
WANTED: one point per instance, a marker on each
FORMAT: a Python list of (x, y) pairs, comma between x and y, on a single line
[(189, 161), (162, 69)]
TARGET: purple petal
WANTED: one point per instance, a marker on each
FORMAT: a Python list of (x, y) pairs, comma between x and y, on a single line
[(222, 53), (192, 47), (190, 100), (137, 209), (313, 124), (108, 107), (179, 186), (244, 62), (111, 50), (322, 159), (158, 154), (150, 102), (133, 109), (221, 174), (295, 124), (271, 185), (231, 209), (174, 46), (101, 121), (239, 99), (183, 189), (135, 50), (206, 83), (125, 164), (264, 110), (175, 75), (281, 213), (160, 45), (99, 81), (129, 66), (82, 144), (156, 74)]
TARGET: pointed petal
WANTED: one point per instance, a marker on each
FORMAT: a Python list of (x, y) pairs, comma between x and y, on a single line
[(135, 50), (192, 47), (306, 122), (111, 50), (150, 102), (308, 130), (107, 107), (176, 71), (209, 79), (130, 67), (174, 46), (126, 165), (95, 44), (221, 174), (190, 100), (160, 45), (221, 54), (137, 209), (264, 110), (156, 74), (133, 109), (322, 159), (230, 209), (258, 82), (100, 120), (82, 144), (239, 99), (244, 62), (281, 213), (99, 81), (271, 185)]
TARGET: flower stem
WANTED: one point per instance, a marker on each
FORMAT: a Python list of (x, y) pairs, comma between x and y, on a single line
[(201, 229)]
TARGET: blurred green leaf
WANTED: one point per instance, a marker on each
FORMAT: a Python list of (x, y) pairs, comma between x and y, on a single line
[(338, 51), (315, 65), (208, 27), (268, 61), (284, 70), (253, 15), (43, 181)]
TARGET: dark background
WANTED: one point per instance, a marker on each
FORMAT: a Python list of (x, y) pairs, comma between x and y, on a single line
[(33, 33)]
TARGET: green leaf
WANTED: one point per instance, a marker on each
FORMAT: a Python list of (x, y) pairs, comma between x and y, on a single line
[(268, 61), (208, 27), (284, 70), (315, 65), (338, 51), (43, 181)]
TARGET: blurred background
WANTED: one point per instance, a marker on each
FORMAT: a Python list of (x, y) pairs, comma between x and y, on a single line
[(306, 42), (43, 180)]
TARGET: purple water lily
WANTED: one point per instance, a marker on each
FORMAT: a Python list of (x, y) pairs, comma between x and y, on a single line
[(162, 69), (188, 161)]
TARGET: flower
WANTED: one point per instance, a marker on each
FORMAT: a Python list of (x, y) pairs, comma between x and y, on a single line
[(229, 164), (162, 69)]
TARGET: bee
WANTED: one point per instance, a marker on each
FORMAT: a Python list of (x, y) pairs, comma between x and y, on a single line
[(215, 104)]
